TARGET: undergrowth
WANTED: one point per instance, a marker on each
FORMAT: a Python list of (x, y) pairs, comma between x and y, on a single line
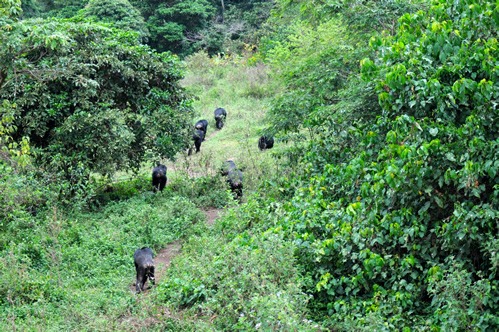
[(76, 270)]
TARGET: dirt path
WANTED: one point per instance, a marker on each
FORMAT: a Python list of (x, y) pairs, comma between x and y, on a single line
[(162, 261), (211, 215), (163, 258)]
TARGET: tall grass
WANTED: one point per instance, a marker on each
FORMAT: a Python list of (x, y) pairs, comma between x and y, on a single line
[(244, 91)]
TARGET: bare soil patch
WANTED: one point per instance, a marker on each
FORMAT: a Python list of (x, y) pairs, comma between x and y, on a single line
[(211, 215)]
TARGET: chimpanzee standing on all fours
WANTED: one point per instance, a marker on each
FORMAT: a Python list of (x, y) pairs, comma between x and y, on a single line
[(220, 115), (144, 266)]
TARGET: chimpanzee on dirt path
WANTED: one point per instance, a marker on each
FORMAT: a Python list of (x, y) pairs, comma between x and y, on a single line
[(144, 266)]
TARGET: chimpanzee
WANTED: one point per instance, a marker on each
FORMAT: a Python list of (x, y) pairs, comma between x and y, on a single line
[(159, 177), (235, 181), (198, 138), (220, 115), (144, 266), (234, 178), (202, 125), (266, 142), (226, 167)]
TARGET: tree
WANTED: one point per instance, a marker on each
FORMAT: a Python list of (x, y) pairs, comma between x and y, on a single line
[(118, 12), (91, 98), (10, 8), (175, 24)]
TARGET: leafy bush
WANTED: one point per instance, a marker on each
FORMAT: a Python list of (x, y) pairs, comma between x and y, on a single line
[(204, 191), (99, 101), (239, 280), (386, 234), (118, 12)]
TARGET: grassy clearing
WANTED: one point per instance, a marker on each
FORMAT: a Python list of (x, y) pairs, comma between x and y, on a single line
[(244, 92), (235, 276), (75, 272)]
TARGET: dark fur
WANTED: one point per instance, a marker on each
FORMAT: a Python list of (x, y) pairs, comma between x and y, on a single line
[(159, 177), (198, 138), (144, 266), (234, 178), (202, 125), (235, 181), (226, 167), (265, 142), (220, 115)]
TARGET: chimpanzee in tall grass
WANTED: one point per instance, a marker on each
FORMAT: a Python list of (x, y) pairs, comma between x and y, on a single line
[(198, 138), (159, 177), (144, 266), (266, 142), (234, 178), (235, 181), (220, 115), (227, 166), (202, 125)]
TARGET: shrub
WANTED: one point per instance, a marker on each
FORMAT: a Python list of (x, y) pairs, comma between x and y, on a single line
[(240, 280)]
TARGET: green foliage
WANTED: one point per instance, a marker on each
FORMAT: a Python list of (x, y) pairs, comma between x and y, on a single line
[(204, 191), (180, 26), (238, 280), (388, 228), (324, 55), (118, 12), (175, 25), (10, 9), (92, 99), (22, 193), (60, 8), (316, 61), (237, 26), (69, 271), (456, 294)]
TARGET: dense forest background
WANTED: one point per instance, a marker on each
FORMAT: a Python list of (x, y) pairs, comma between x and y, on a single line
[(377, 209)]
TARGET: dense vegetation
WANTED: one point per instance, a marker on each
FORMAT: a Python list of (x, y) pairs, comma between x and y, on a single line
[(180, 26), (395, 217), (377, 210)]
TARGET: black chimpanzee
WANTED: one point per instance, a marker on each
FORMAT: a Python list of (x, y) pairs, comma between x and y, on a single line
[(159, 177), (198, 138), (144, 266), (234, 178), (266, 142), (220, 115), (226, 167), (235, 181), (202, 125)]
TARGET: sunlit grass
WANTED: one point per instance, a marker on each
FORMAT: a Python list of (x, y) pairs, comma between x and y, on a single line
[(244, 91)]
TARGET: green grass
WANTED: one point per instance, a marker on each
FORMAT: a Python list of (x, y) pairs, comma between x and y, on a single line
[(244, 91), (73, 271)]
